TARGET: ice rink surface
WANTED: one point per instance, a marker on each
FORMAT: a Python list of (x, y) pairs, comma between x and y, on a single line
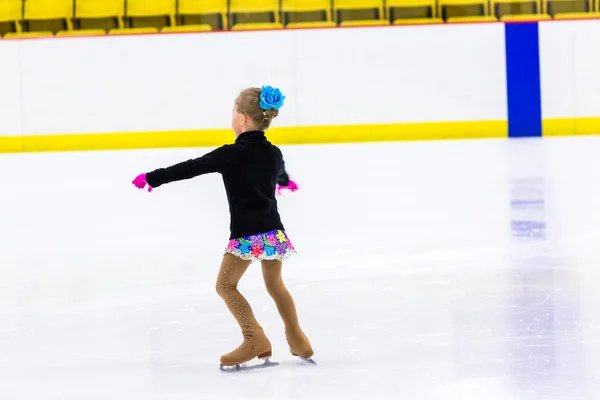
[(461, 270)]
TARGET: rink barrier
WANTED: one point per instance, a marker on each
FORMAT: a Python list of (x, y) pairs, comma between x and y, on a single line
[(523, 115), (282, 136)]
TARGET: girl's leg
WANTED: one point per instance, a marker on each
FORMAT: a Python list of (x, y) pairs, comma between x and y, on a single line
[(299, 343), (255, 342)]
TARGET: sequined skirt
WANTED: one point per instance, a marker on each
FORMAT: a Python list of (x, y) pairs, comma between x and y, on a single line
[(273, 245)]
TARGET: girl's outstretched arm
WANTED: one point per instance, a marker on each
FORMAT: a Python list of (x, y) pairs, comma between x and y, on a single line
[(217, 160)]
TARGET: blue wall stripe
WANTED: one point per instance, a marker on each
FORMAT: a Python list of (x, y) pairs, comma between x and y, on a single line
[(523, 79)]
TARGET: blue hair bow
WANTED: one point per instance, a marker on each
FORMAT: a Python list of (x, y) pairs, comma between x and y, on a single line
[(271, 98)]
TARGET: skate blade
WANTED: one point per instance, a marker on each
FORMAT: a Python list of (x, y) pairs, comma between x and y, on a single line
[(241, 368), (308, 360), (305, 360)]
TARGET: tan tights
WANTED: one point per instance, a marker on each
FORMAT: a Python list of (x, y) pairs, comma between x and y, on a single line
[(230, 274)]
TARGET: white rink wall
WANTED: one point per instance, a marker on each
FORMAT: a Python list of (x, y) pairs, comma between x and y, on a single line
[(570, 61), (189, 81), (413, 74), (11, 104)]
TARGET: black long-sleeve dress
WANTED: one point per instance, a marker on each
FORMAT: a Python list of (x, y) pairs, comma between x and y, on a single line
[(251, 168)]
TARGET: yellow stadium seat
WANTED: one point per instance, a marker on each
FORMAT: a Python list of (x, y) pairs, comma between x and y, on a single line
[(10, 15), (254, 11), (477, 18), (366, 22), (47, 15), (29, 34), (305, 11), (187, 28), (82, 32), (195, 12), (411, 9), (516, 7), (257, 26), (99, 14), (150, 13), (133, 31), (526, 17), (554, 7), (358, 10), (418, 21), (313, 24), (462, 8), (592, 15)]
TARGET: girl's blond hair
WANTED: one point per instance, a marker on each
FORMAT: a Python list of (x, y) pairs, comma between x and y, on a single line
[(248, 103)]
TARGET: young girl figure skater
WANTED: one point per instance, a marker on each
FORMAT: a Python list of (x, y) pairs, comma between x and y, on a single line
[(252, 169)]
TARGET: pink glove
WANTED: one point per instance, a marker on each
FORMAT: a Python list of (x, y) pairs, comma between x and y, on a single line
[(291, 186), (140, 182)]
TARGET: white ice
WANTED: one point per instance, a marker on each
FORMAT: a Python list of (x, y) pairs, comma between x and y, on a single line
[(460, 270)]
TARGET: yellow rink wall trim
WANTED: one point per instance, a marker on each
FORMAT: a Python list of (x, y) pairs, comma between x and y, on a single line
[(571, 126), (289, 135)]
